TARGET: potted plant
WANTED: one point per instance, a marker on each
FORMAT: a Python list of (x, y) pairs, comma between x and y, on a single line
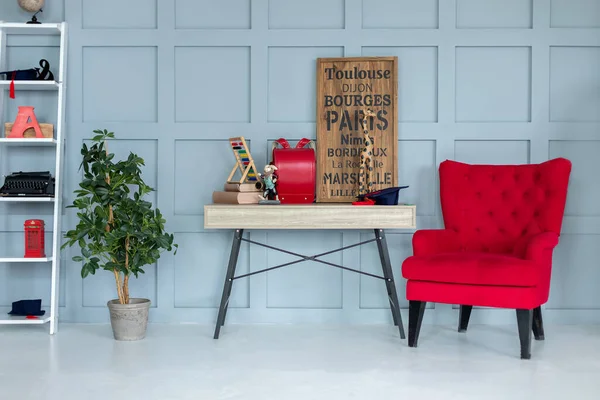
[(117, 230)]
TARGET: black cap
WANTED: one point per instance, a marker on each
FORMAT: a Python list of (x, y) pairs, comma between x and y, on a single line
[(27, 307)]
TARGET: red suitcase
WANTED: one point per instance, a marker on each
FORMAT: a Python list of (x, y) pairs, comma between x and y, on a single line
[(296, 171)]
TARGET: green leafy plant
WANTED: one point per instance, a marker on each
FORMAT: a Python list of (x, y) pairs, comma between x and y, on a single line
[(117, 230)]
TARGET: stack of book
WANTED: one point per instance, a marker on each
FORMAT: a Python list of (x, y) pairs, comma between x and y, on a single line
[(237, 193)]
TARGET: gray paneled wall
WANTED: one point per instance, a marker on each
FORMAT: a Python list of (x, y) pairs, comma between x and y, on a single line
[(482, 81)]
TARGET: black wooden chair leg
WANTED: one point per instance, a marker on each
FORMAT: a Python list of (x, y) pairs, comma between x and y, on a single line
[(538, 324), (416, 309), (463, 320), (525, 323)]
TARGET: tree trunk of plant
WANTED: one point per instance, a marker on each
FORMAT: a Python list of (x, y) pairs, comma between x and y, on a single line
[(126, 278), (126, 289), (119, 288)]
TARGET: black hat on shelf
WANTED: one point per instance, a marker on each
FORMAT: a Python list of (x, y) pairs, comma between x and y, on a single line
[(27, 307), (385, 197)]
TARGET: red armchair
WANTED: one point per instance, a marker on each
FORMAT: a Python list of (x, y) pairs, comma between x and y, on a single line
[(502, 223)]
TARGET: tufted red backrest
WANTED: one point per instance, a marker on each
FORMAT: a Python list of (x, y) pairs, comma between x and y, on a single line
[(493, 207)]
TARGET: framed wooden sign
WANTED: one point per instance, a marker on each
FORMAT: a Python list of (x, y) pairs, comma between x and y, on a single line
[(346, 88)]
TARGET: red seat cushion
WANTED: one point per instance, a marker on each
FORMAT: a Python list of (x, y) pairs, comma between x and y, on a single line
[(472, 269)]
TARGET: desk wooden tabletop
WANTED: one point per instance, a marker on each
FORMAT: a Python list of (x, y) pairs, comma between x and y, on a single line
[(308, 216)]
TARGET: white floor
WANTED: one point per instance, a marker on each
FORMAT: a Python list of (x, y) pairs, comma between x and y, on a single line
[(83, 362)]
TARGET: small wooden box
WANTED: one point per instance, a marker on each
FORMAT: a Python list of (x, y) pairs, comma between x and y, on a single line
[(47, 130)]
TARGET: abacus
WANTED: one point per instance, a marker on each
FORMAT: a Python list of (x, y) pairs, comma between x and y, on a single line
[(245, 163)]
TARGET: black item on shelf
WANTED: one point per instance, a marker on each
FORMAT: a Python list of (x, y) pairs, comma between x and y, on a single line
[(34, 19), (31, 74), (23, 308), (28, 184), (20, 75), (384, 197)]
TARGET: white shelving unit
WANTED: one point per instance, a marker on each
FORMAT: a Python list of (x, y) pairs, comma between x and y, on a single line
[(60, 30)]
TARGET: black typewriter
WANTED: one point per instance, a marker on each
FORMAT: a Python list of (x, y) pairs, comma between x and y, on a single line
[(28, 184)]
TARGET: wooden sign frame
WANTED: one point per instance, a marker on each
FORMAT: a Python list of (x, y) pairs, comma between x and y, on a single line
[(345, 88)]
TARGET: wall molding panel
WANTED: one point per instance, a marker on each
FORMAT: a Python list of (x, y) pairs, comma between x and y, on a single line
[(481, 81)]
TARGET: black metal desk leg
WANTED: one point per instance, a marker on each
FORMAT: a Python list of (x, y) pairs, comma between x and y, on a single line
[(233, 257), (389, 280)]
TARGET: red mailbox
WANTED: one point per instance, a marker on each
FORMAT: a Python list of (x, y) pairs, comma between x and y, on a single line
[(296, 171), (34, 238)]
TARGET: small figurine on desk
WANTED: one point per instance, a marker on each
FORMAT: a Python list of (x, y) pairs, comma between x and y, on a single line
[(269, 179)]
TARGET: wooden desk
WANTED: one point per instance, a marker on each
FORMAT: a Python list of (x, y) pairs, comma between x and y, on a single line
[(310, 216)]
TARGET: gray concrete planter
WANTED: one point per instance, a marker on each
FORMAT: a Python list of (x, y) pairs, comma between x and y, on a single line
[(129, 321)]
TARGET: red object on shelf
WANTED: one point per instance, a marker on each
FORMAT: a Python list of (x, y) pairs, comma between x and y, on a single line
[(365, 202), (12, 86), (34, 238), (25, 119), (296, 171)]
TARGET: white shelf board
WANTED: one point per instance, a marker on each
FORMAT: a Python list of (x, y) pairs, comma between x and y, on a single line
[(31, 85), (24, 259), (24, 199), (28, 141), (9, 320), (21, 28)]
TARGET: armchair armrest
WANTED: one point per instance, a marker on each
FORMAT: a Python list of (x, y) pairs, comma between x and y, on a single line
[(540, 246), (433, 241)]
